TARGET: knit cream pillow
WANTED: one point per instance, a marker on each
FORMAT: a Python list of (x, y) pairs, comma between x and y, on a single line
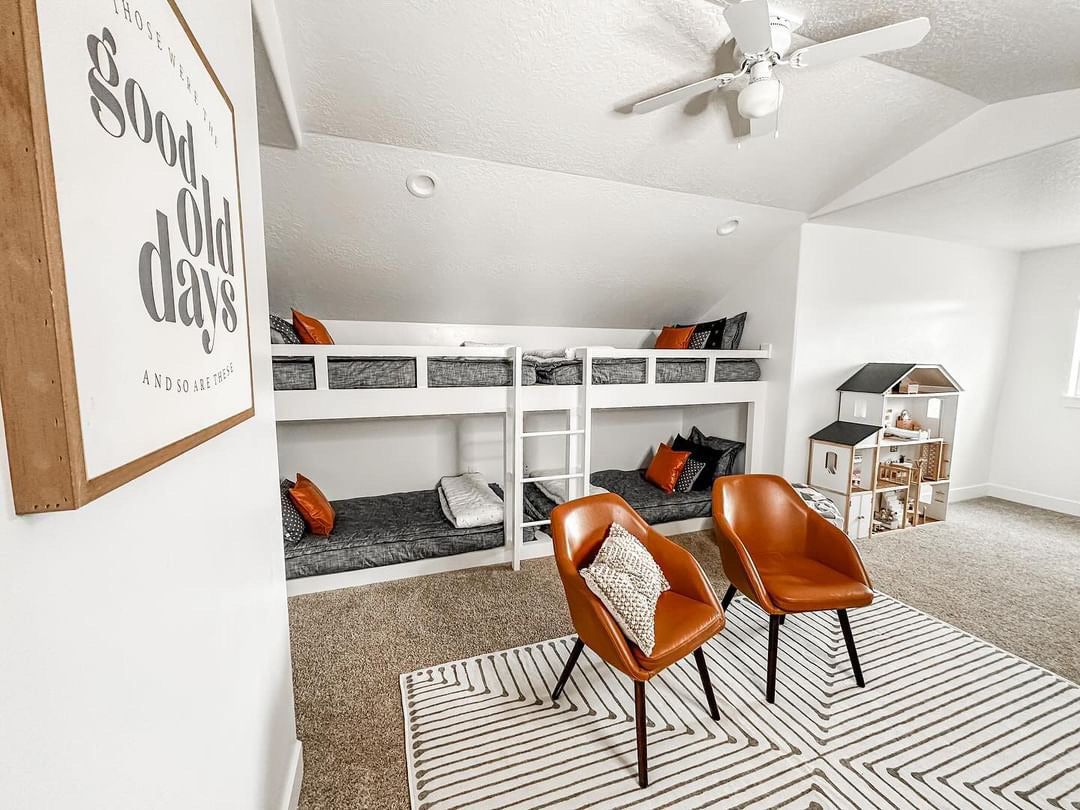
[(626, 578)]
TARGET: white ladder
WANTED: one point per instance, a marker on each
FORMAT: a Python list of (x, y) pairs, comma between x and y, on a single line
[(578, 435)]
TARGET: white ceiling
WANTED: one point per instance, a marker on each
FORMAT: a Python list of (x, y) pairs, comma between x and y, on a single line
[(538, 83), (1027, 202), (990, 49)]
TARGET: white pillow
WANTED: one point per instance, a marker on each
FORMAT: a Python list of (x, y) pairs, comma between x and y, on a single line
[(626, 578)]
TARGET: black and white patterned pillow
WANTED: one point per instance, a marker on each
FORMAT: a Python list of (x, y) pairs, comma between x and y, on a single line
[(285, 329), (627, 580), (699, 340), (689, 475), (292, 522)]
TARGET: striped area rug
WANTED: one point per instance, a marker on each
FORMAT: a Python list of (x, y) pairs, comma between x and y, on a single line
[(945, 721)]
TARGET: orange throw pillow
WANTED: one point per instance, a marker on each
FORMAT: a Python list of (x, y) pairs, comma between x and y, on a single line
[(310, 330), (313, 506), (665, 468), (674, 337)]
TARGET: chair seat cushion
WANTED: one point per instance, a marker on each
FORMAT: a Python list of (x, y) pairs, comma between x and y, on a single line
[(795, 584), (682, 625)]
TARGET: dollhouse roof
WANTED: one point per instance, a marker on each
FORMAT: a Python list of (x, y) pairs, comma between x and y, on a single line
[(848, 434), (881, 378)]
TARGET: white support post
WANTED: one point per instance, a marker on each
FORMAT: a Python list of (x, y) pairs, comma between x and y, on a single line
[(710, 369), (322, 371), (586, 422), (650, 370), (421, 371), (518, 501), (755, 435)]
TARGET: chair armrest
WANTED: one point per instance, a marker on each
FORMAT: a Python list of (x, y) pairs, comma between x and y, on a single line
[(727, 535), (830, 546), (596, 627), (681, 569)]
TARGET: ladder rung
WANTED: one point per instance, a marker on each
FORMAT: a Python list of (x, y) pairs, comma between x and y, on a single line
[(529, 523), (552, 478), (553, 433)]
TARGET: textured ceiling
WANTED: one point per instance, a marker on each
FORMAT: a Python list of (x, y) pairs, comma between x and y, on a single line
[(990, 49), (496, 243), (1028, 202), (539, 84)]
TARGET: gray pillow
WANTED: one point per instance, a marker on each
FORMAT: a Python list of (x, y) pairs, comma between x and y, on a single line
[(728, 449), (733, 329), (627, 580)]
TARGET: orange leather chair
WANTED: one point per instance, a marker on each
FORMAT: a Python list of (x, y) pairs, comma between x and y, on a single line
[(686, 616), (787, 558)]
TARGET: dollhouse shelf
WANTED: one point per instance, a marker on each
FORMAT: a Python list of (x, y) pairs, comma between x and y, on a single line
[(849, 454)]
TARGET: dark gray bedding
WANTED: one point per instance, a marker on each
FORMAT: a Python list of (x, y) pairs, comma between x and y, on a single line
[(386, 529), (629, 370), (651, 502), (298, 373)]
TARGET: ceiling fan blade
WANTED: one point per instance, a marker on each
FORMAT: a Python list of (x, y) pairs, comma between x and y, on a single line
[(760, 127), (887, 38), (749, 24), (681, 93)]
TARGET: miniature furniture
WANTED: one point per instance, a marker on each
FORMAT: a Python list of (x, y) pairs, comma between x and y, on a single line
[(687, 616), (786, 558), (890, 415)]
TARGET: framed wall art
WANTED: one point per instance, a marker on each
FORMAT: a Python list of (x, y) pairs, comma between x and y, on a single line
[(123, 300)]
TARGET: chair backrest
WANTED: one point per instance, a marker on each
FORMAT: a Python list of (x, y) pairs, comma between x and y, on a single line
[(764, 511), (578, 528)]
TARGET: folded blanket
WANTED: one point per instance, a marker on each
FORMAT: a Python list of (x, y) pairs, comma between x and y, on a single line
[(467, 501), (901, 433), (557, 490)]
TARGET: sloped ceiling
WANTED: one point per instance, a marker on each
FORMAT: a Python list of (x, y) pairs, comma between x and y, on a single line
[(1026, 202), (541, 84), (496, 243), (556, 206)]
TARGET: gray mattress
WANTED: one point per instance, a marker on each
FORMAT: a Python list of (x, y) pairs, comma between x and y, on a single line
[(629, 370), (298, 373), (385, 529), (652, 503)]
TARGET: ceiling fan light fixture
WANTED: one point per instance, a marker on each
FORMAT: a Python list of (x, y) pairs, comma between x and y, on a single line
[(760, 98)]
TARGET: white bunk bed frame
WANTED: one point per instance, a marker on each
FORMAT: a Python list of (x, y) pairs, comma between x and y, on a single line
[(513, 401)]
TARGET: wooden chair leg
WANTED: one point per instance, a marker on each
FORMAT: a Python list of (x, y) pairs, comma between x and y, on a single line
[(703, 670), (571, 662), (728, 597), (642, 744), (774, 640), (851, 651)]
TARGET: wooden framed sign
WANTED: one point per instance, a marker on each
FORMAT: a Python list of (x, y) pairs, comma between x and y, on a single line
[(124, 336)]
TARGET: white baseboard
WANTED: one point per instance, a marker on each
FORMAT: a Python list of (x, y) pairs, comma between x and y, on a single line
[(969, 492), (1051, 502), (290, 799)]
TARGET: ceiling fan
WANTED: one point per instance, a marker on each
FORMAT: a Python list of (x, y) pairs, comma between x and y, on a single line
[(762, 39)]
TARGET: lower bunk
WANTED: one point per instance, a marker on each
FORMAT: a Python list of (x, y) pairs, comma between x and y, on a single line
[(654, 505), (406, 534)]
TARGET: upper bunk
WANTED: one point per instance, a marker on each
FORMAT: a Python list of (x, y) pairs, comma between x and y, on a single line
[(326, 382)]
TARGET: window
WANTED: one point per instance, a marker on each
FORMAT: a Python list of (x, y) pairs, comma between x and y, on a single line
[(1072, 393)]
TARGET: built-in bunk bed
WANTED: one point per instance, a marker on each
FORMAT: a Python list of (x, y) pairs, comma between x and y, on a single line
[(405, 534)]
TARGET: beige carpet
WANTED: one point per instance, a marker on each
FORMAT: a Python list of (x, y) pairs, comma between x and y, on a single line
[(1006, 573)]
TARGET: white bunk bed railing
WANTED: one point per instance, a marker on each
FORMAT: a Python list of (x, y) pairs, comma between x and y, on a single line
[(420, 354), (650, 356)]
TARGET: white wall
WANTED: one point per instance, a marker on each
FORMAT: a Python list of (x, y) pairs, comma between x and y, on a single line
[(867, 296), (767, 293), (1035, 456), (144, 637)]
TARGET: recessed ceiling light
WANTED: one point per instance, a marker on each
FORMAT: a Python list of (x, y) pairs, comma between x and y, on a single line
[(421, 184), (728, 226)]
